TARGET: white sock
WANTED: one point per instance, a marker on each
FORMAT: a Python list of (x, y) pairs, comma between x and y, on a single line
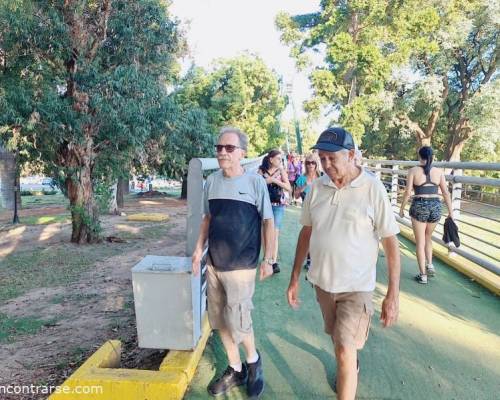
[(237, 367), (254, 359)]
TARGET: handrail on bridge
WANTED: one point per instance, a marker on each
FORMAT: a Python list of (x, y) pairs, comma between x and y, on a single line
[(476, 210), (479, 218)]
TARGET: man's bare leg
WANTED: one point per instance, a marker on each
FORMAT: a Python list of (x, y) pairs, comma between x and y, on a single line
[(249, 346), (232, 351), (347, 375)]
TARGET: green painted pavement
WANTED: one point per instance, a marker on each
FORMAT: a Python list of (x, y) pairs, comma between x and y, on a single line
[(446, 344)]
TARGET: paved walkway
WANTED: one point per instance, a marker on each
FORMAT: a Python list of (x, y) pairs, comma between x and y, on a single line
[(445, 346)]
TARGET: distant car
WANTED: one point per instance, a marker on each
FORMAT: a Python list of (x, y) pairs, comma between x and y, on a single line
[(49, 182)]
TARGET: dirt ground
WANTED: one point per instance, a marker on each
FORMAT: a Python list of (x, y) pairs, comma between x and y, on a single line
[(85, 312)]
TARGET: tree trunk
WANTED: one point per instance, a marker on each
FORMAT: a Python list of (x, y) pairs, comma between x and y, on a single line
[(113, 203), (120, 189), (84, 210), (126, 185), (454, 149), (459, 134), (8, 172), (423, 141), (184, 191)]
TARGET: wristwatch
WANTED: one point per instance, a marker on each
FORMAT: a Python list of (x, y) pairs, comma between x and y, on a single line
[(269, 261)]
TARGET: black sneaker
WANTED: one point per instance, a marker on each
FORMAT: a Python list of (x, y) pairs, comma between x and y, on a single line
[(229, 379), (276, 268), (255, 383)]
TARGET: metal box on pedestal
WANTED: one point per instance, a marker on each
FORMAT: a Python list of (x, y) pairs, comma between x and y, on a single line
[(169, 302)]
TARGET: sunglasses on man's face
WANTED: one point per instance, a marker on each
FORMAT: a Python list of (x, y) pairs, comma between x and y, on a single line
[(229, 147), (310, 162)]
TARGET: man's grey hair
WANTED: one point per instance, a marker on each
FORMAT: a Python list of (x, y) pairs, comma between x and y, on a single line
[(242, 136)]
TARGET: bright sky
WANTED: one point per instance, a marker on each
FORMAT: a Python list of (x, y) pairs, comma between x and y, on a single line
[(226, 28)]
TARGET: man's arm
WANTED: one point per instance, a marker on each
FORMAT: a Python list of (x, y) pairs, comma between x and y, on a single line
[(300, 255), (266, 269), (200, 244), (390, 305)]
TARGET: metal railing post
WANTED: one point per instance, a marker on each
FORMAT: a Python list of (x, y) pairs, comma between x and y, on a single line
[(456, 193), (394, 185), (377, 170)]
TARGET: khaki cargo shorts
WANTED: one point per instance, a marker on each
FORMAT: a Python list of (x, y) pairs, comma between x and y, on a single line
[(229, 295), (347, 316)]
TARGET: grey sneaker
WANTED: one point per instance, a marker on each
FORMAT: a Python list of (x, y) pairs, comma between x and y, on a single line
[(431, 271), (421, 278)]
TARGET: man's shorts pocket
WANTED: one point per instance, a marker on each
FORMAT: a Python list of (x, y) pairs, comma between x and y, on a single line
[(246, 315)]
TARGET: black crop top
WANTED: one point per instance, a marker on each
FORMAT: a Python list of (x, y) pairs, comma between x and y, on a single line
[(428, 187)]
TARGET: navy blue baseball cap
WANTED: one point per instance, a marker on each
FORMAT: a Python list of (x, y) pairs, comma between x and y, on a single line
[(334, 139)]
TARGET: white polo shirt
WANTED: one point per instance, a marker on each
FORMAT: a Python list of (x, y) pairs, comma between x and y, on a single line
[(346, 226)]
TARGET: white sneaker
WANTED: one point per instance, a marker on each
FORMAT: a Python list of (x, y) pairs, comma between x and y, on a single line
[(431, 271)]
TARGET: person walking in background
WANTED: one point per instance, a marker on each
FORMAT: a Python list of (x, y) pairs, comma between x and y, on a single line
[(304, 181), (277, 183), (303, 185), (345, 214), (294, 169), (236, 205), (425, 210)]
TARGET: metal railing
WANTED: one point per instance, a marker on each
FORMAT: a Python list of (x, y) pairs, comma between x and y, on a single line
[(475, 201)]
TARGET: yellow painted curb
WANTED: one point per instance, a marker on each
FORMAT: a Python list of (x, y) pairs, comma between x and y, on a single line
[(187, 361), (151, 217), (481, 275), (100, 378)]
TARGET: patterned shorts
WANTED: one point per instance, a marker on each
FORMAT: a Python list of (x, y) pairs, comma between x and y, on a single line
[(426, 209)]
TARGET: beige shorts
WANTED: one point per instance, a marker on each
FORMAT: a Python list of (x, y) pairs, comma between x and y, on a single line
[(347, 316), (229, 295)]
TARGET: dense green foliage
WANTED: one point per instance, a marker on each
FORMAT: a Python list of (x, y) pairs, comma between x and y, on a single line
[(83, 88), (403, 73), (242, 92)]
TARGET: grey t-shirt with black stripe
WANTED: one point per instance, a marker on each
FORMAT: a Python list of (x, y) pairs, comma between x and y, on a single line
[(237, 207)]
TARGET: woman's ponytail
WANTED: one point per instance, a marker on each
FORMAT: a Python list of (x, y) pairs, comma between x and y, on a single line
[(426, 154)]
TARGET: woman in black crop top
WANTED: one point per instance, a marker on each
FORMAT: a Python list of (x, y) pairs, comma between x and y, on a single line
[(425, 211)]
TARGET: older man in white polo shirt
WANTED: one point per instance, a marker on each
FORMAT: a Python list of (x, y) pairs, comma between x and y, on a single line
[(344, 216)]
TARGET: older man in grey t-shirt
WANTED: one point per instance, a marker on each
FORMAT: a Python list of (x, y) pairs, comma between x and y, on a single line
[(236, 205)]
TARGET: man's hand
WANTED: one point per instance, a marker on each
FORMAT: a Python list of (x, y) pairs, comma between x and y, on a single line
[(293, 293), (196, 262), (266, 270), (390, 311)]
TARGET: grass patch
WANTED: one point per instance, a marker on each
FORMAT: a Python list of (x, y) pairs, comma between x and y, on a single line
[(42, 201), (45, 219), (13, 327), (38, 192), (146, 231), (49, 267), (75, 357), (174, 192), (155, 231)]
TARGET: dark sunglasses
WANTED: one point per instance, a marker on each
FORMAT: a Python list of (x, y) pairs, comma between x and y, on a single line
[(310, 162), (229, 147)]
